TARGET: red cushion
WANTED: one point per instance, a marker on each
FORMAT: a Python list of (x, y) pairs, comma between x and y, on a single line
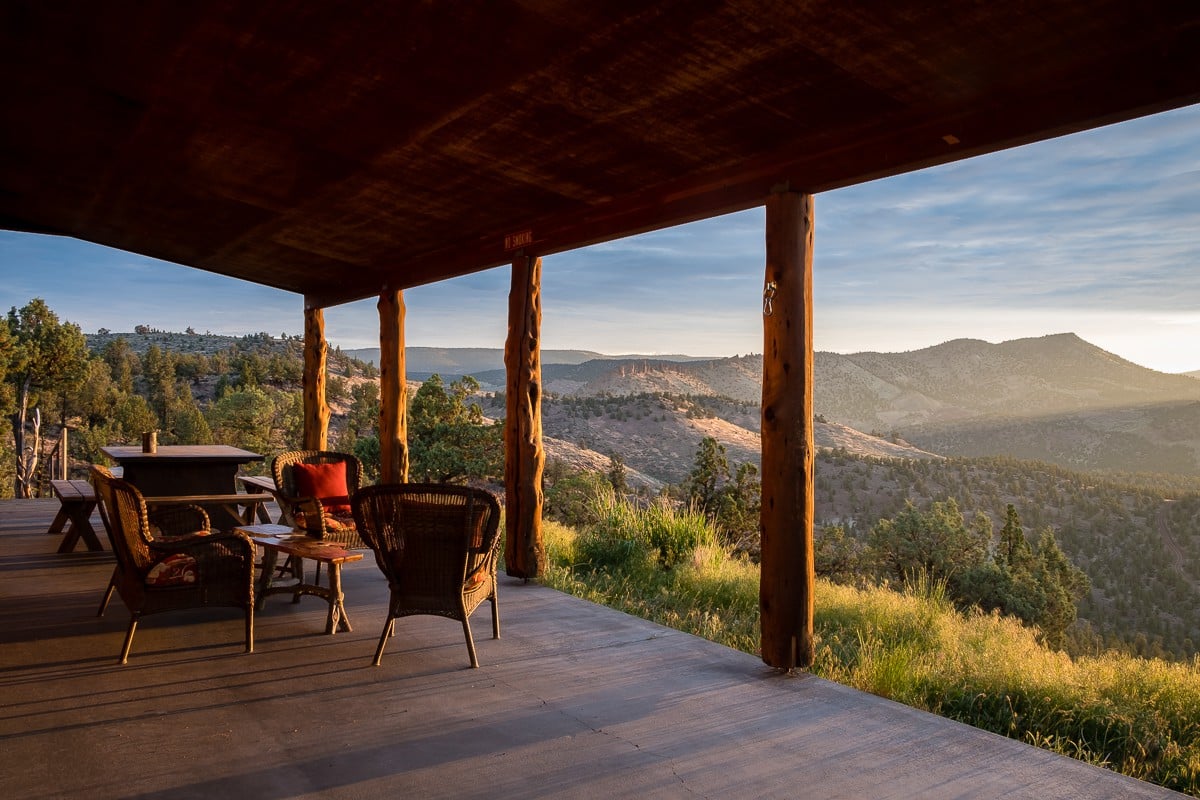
[(326, 482)]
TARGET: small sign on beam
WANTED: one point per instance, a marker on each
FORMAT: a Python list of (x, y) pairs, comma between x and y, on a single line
[(515, 241)]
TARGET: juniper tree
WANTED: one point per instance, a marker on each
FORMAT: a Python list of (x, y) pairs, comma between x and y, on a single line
[(45, 356), (447, 436), (1014, 549), (710, 472)]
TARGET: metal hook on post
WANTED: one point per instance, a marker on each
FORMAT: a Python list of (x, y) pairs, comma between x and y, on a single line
[(769, 298)]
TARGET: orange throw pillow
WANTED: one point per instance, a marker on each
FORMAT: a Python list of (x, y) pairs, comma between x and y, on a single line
[(326, 482)]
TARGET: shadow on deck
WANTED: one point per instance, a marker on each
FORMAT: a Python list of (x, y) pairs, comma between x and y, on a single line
[(576, 700)]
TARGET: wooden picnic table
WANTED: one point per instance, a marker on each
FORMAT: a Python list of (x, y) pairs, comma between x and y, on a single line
[(187, 471)]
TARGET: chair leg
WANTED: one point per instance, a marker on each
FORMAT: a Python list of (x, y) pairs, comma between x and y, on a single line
[(250, 627), (298, 572), (388, 628), (495, 617), (470, 643), (108, 593), (133, 621)]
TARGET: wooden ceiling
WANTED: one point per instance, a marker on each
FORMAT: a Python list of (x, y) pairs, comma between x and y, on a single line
[(332, 148)]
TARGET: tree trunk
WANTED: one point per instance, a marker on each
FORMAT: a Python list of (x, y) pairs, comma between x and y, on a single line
[(393, 389), (17, 422), (788, 451), (26, 462), (316, 410), (524, 458)]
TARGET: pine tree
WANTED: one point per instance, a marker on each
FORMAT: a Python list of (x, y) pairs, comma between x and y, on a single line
[(1014, 549)]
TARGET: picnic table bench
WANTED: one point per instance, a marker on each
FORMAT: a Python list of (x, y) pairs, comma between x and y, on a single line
[(261, 484), (78, 500)]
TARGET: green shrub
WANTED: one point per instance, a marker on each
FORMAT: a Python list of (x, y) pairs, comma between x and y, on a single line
[(624, 535), (568, 492), (675, 534)]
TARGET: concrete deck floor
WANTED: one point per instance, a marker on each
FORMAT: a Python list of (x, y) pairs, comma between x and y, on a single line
[(575, 700)]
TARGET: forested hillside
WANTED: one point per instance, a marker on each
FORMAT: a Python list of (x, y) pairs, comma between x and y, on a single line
[(1137, 537), (192, 388)]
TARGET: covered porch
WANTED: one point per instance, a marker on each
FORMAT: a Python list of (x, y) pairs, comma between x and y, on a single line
[(574, 700), (344, 156)]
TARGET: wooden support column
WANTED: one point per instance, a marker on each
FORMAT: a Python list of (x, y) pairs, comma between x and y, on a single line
[(788, 451), (393, 390), (524, 458), (316, 410)]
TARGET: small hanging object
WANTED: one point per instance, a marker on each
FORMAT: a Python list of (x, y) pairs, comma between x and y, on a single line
[(769, 298)]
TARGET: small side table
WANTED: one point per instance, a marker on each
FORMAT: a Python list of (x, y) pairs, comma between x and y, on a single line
[(276, 539)]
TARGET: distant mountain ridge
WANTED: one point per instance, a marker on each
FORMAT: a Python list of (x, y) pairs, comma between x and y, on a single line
[(454, 362), (1054, 398)]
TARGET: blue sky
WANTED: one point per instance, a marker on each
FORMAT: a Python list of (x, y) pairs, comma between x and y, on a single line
[(1096, 233)]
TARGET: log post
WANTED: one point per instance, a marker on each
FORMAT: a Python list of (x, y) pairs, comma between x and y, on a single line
[(788, 450), (393, 390), (316, 410), (524, 458), (64, 455)]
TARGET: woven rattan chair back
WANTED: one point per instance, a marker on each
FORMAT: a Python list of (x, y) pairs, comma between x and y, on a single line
[(284, 475), (215, 569), (438, 546), (123, 512), (290, 499)]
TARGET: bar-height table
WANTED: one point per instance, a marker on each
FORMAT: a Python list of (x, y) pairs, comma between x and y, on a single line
[(200, 469)]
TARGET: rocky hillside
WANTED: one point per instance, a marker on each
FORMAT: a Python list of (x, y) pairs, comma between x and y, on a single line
[(657, 435), (207, 344)]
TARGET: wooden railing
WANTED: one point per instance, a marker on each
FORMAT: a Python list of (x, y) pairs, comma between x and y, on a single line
[(55, 465)]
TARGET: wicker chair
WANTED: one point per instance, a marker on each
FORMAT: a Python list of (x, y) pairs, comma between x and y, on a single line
[(171, 572), (437, 545), (293, 502)]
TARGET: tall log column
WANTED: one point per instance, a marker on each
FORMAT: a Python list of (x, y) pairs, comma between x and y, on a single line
[(393, 389), (316, 410), (524, 458), (788, 451)]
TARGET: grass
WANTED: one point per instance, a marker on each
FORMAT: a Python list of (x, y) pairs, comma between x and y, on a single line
[(1136, 716)]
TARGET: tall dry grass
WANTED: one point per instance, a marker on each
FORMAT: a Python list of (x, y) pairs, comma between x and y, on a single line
[(1136, 716)]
